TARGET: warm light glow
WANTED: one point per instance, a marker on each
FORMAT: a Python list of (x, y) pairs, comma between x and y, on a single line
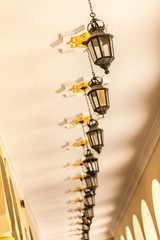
[(128, 233), (148, 224), (122, 238), (156, 200), (137, 229)]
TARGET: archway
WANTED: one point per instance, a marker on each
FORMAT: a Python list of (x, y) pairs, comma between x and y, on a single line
[(148, 224), (137, 229), (156, 200)]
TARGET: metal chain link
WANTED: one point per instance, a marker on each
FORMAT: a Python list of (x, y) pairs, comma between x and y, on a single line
[(92, 14), (90, 61)]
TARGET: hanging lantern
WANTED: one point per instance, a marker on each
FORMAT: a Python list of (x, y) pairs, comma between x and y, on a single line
[(90, 163), (91, 181), (89, 199), (95, 135), (98, 96), (100, 44), (89, 213)]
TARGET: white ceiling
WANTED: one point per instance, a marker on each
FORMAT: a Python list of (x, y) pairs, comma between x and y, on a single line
[(31, 72)]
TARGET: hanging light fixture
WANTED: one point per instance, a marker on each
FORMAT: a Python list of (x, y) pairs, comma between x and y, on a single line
[(89, 213), (95, 135), (89, 199), (100, 44), (91, 182), (90, 163), (98, 96)]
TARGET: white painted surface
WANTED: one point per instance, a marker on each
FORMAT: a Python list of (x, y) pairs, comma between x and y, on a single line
[(30, 74)]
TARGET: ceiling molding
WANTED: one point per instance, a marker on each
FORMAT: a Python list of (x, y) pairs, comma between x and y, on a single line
[(144, 158), (61, 42)]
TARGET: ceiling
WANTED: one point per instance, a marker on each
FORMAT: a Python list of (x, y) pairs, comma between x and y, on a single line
[(30, 74)]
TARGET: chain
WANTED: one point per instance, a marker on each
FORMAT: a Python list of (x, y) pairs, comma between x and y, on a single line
[(92, 14), (84, 134), (90, 61), (88, 105)]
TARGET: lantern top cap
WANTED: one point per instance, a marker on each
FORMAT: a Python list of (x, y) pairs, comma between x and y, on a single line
[(95, 81), (92, 123), (88, 153), (89, 156), (89, 192), (95, 24)]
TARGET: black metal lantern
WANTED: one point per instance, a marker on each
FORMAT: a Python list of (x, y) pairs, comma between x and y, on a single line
[(90, 163), (98, 96), (89, 213), (89, 199), (100, 44), (95, 135), (91, 181)]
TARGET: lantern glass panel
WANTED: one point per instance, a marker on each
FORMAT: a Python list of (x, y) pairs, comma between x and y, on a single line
[(107, 98), (111, 45), (96, 139), (92, 168), (90, 140), (90, 212), (89, 200), (96, 181), (91, 49), (91, 100), (104, 46), (89, 182), (100, 137), (95, 99), (93, 139), (93, 181), (86, 202), (101, 97), (95, 44)]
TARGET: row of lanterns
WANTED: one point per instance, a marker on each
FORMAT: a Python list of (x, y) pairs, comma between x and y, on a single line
[(89, 183), (100, 52)]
